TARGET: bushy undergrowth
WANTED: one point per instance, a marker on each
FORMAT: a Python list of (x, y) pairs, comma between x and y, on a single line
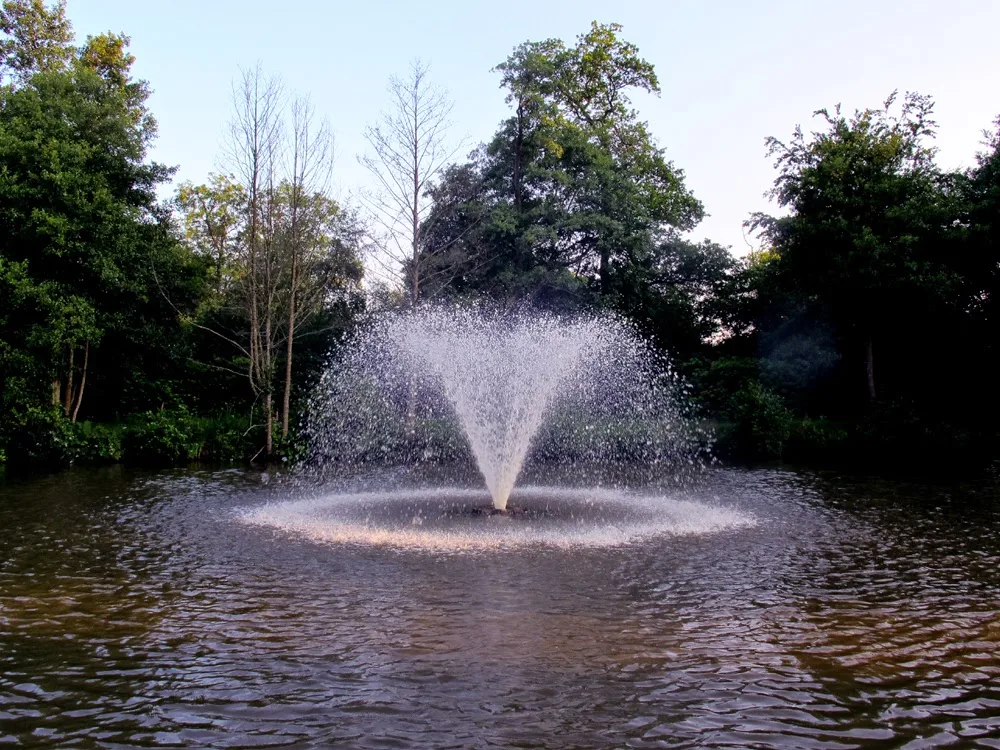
[(763, 424), (890, 434), (756, 426), (166, 437)]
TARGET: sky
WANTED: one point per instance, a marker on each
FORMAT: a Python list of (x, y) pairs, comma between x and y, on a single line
[(731, 73)]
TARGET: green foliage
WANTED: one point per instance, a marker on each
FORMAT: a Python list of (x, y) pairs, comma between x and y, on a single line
[(859, 331), (36, 38), (819, 440), (763, 422), (169, 436), (176, 436), (868, 221), (44, 437), (224, 437), (715, 381), (91, 443), (572, 185), (31, 436), (875, 300), (85, 253)]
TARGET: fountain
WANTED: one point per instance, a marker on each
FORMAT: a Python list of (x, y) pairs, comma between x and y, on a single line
[(501, 377), (418, 391)]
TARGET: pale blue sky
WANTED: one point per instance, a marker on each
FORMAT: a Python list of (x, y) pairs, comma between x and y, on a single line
[(732, 72)]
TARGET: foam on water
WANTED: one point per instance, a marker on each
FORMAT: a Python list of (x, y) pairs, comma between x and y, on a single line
[(439, 519)]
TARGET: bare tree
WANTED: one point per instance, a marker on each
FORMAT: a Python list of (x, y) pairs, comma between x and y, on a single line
[(253, 155), (408, 150), (284, 251), (311, 166)]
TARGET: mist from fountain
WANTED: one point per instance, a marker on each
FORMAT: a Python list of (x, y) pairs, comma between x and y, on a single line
[(563, 388)]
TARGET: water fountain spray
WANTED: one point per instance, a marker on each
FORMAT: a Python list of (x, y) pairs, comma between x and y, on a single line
[(502, 386)]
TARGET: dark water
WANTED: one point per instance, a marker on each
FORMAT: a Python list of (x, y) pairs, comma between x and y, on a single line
[(135, 612)]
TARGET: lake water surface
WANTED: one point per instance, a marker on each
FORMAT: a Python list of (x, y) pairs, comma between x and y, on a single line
[(137, 610)]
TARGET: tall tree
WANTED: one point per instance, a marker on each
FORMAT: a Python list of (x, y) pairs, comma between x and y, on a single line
[(253, 155), (865, 206), (79, 223), (982, 198), (409, 148), (572, 198), (310, 170), (607, 187)]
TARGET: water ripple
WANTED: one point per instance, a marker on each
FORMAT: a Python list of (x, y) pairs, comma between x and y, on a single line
[(136, 612)]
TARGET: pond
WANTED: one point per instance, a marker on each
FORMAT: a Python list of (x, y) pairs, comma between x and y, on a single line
[(139, 610)]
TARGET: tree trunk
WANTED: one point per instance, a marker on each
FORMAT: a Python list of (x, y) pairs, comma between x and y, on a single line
[(218, 272), (605, 271), (518, 148), (870, 368), (268, 442), (68, 393), (415, 294), (286, 400), (266, 351), (56, 392), (415, 270), (83, 382)]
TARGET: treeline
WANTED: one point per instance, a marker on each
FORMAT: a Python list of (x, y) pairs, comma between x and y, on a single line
[(865, 326)]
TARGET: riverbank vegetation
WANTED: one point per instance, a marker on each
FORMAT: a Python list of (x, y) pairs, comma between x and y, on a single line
[(863, 328)]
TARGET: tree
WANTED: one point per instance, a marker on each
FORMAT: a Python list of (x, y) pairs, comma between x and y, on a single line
[(408, 151), (577, 145), (981, 188), (254, 153), (284, 252), (309, 214), (75, 200), (211, 216), (108, 56), (675, 296), (866, 206), (572, 204), (975, 255), (38, 39), (85, 248)]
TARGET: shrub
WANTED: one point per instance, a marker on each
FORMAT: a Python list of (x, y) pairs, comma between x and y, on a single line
[(763, 422), (225, 438), (715, 382), (31, 436), (896, 432), (168, 436), (818, 440), (92, 442)]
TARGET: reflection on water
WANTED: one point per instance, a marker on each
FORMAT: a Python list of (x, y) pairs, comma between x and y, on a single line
[(136, 611)]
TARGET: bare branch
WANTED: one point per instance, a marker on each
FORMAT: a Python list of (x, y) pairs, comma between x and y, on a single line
[(408, 150)]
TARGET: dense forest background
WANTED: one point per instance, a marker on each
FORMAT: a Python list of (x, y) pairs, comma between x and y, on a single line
[(133, 328)]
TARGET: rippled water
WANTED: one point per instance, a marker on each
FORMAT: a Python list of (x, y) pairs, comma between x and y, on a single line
[(137, 610)]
